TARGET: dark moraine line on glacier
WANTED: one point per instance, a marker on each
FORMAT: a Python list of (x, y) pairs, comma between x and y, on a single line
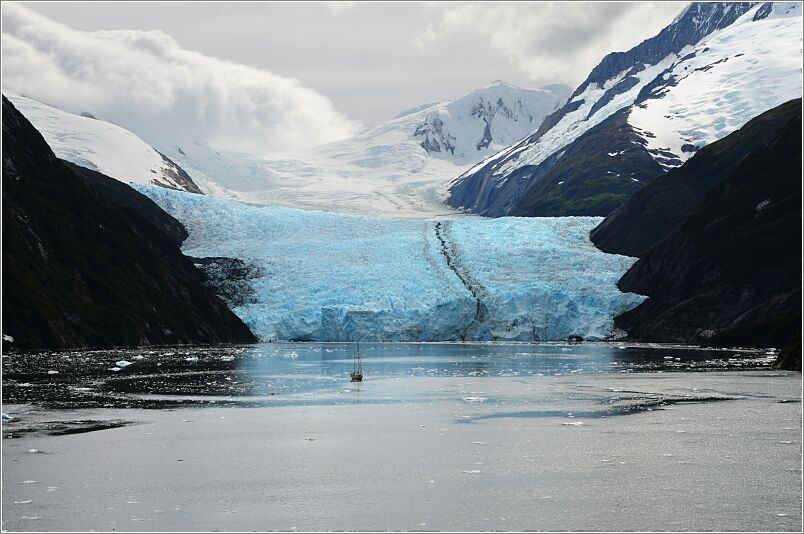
[(475, 288)]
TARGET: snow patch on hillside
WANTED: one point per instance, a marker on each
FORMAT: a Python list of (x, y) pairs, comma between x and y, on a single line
[(731, 77), (575, 123)]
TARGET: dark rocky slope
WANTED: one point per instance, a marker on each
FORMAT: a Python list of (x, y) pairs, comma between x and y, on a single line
[(89, 262), (579, 180), (730, 274), (659, 208)]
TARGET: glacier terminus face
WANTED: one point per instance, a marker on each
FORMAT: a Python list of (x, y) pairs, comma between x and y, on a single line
[(338, 277)]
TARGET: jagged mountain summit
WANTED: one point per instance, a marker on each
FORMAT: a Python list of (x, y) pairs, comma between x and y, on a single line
[(104, 147), (644, 111), (485, 120), (401, 167)]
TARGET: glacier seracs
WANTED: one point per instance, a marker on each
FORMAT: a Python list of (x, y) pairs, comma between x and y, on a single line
[(338, 277)]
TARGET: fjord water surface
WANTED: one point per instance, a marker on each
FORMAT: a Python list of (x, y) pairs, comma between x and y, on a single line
[(482, 436)]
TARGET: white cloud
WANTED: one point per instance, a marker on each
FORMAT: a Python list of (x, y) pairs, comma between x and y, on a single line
[(146, 82), (337, 7), (551, 40)]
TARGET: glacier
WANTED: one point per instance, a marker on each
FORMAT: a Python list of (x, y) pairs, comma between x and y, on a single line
[(343, 277)]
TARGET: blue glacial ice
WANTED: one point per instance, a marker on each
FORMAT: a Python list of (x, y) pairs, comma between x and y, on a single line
[(337, 277)]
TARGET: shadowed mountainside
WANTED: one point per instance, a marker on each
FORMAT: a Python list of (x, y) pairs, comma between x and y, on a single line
[(89, 262), (726, 271)]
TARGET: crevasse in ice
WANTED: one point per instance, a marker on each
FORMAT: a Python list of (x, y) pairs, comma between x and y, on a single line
[(337, 277)]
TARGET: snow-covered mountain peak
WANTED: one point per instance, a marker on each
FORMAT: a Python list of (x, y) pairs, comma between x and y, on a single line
[(401, 167), (716, 66), (484, 120), (103, 147)]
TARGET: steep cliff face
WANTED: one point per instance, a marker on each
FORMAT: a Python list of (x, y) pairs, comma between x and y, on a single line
[(89, 262), (730, 273)]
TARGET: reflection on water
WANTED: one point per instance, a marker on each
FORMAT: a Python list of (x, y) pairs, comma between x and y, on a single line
[(303, 361), (311, 373)]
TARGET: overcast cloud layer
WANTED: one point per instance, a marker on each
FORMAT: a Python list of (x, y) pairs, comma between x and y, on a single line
[(160, 91), (284, 65), (551, 41)]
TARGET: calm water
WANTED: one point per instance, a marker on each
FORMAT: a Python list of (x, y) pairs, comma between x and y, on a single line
[(313, 373), (451, 437)]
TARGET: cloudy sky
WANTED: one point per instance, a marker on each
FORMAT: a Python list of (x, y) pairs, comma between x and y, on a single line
[(328, 68)]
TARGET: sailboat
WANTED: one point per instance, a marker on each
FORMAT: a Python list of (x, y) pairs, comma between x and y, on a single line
[(357, 367)]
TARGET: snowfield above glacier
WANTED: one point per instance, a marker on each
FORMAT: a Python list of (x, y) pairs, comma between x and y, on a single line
[(338, 277), (400, 168)]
